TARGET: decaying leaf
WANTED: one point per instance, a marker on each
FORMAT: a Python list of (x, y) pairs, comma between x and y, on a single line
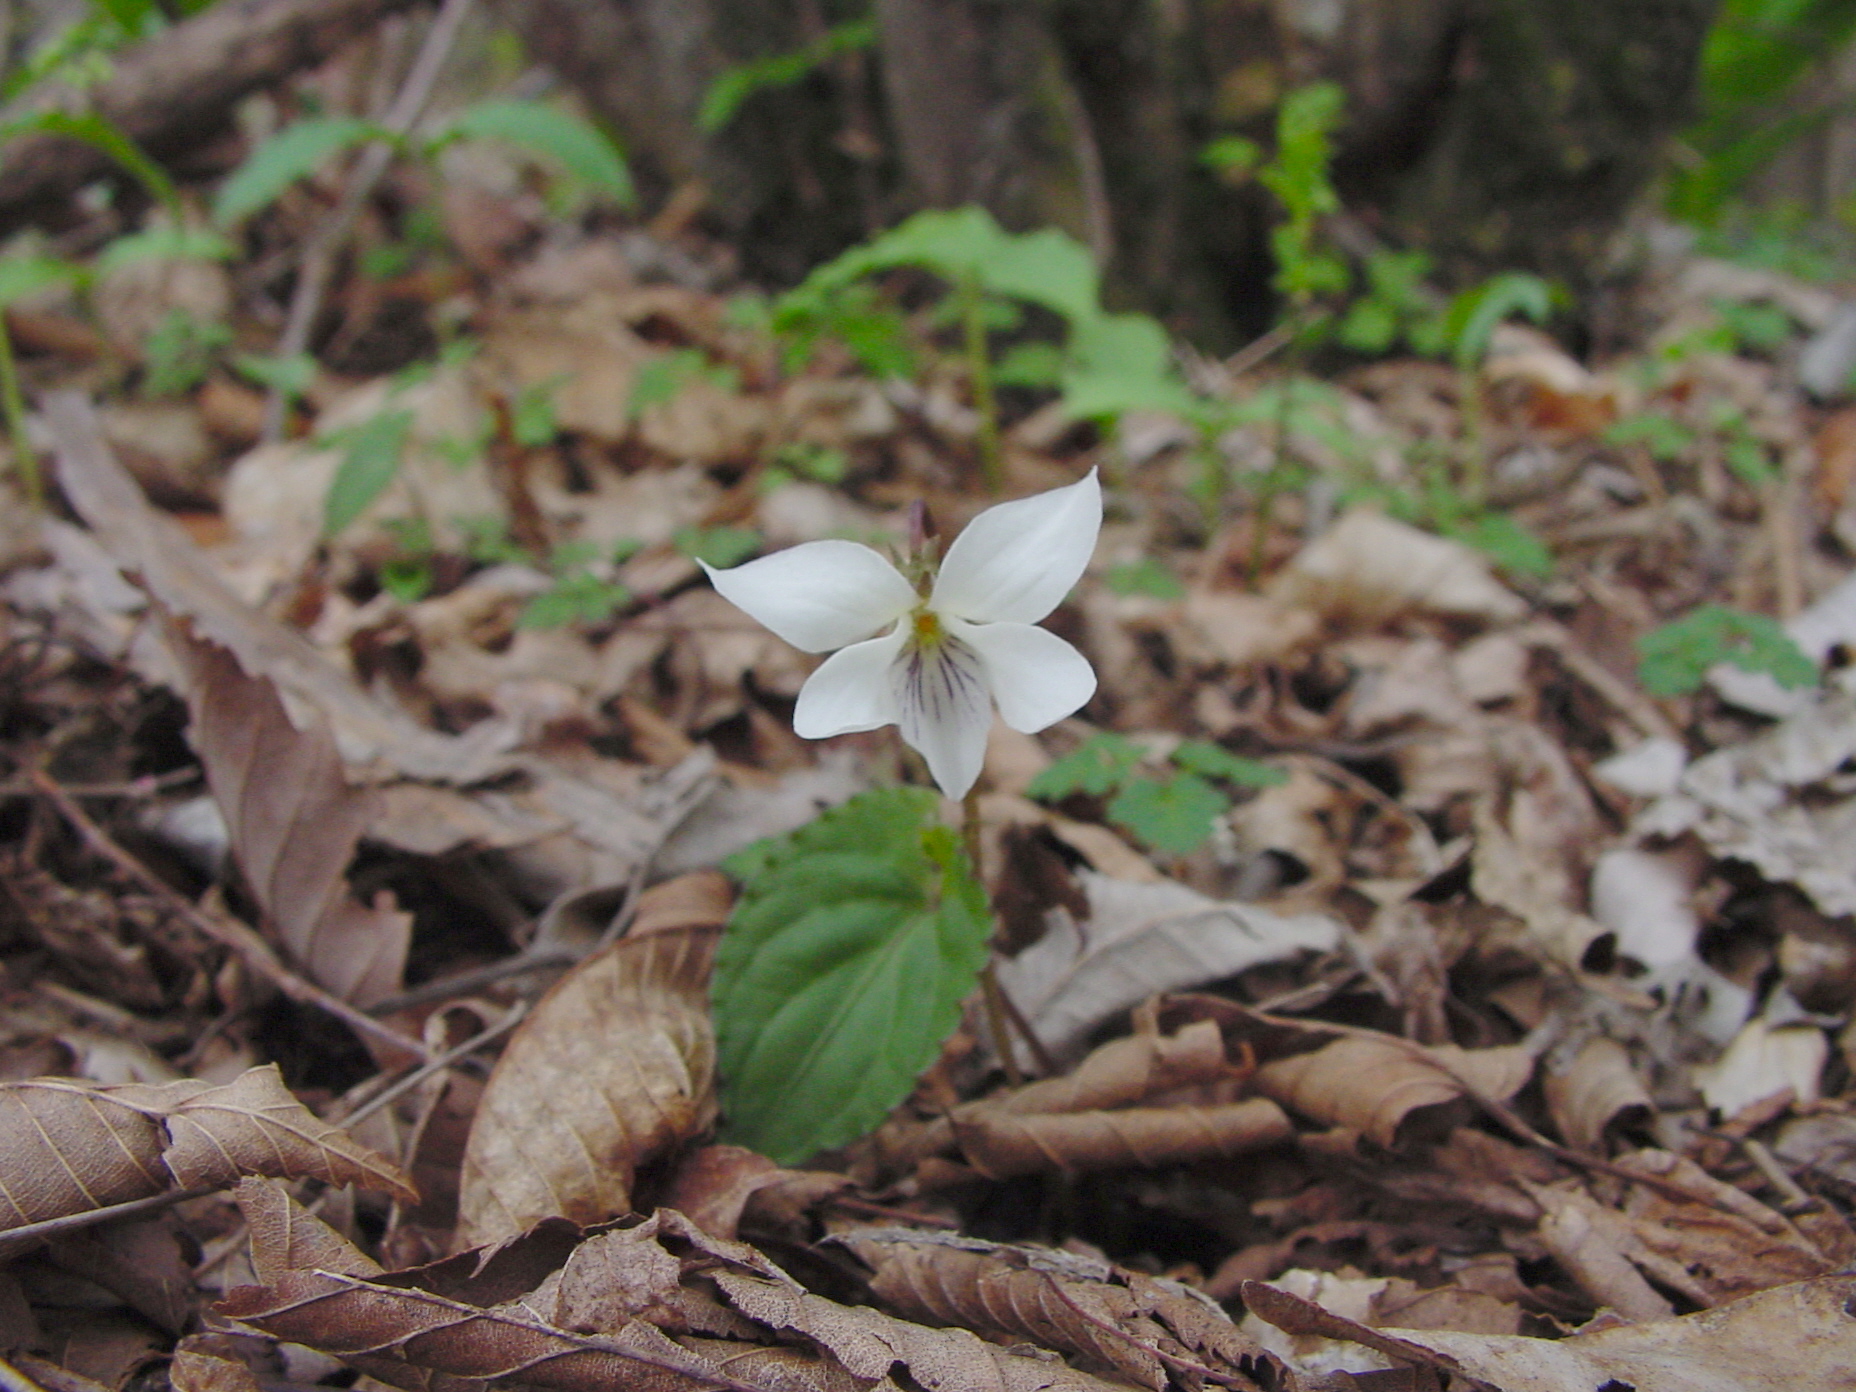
[(657, 1304), (175, 572), (999, 1144), (1141, 940), (1369, 565), (1779, 1340), (1593, 1090), (67, 1146), (614, 1066), (293, 823), (1114, 1321)]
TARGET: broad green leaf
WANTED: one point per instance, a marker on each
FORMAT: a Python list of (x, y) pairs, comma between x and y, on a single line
[(165, 244), (1174, 816), (1048, 268), (1121, 362), (371, 461), (24, 276), (104, 134), (1215, 761), (1478, 312), (841, 971), (1098, 766), (582, 150), (295, 152), (1674, 660)]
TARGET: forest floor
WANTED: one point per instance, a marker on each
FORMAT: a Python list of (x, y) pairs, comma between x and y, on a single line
[(1397, 958)]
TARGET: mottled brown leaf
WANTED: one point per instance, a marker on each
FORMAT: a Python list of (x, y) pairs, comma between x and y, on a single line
[(1596, 1090), (293, 822), (615, 1065), (68, 1146)]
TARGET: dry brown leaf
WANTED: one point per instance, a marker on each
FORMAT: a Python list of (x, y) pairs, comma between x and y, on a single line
[(293, 823), (1595, 1091), (719, 1186), (1391, 1090), (614, 1066), (1781, 1340), (1115, 1321), (217, 1363), (636, 1306), (68, 1147), (1000, 1144), (181, 577)]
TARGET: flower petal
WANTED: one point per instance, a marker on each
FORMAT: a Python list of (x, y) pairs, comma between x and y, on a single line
[(819, 595), (945, 710), (850, 691), (1035, 676), (1015, 562)]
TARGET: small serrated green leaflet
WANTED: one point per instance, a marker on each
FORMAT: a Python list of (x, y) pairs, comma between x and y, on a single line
[(581, 150), (1214, 761), (369, 464), (1674, 660), (842, 970), (295, 152), (1174, 815), (1097, 767)]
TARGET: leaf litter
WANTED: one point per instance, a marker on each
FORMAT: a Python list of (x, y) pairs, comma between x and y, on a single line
[(1501, 1035)]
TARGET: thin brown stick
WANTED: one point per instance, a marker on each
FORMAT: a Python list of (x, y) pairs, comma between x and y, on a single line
[(229, 932), (109, 1213), (319, 256), (489, 1035)]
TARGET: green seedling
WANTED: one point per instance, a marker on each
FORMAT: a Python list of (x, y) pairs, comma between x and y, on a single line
[(1675, 659)]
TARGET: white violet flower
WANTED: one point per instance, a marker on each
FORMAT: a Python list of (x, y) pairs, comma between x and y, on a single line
[(948, 654)]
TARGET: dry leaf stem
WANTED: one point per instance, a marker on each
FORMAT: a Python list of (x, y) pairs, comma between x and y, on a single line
[(109, 1213), (228, 932), (990, 994), (489, 1035)]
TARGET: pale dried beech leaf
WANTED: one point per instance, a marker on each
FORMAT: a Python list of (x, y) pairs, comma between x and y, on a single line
[(286, 1237), (1114, 1321), (293, 822), (1371, 566), (616, 1065), (1000, 1144), (1389, 1089), (178, 574), (1779, 1340), (1141, 940), (68, 1147), (1597, 1089)]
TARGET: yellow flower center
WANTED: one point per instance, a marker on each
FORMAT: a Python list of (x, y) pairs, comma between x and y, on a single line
[(925, 630)]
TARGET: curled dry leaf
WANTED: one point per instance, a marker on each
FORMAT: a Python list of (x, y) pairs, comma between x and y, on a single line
[(658, 1305), (68, 1147), (1114, 1321), (293, 822), (1779, 1340), (1595, 1091), (720, 1186), (615, 1065), (1390, 1090), (999, 1144)]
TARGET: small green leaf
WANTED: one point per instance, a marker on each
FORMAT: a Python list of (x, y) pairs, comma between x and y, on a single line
[(1666, 438), (99, 131), (580, 597), (291, 376), (295, 152), (582, 151), (842, 970), (1215, 761), (164, 244), (179, 353), (721, 547), (1510, 545), (1232, 156), (728, 93), (1097, 767), (1147, 576), (24, 276), (1030, 365), (1674, 660), (371, 461), (1174, 816), (1477, 312)]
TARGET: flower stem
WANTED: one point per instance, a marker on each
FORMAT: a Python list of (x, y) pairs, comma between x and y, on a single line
[(13, 406), (979, 372), (991, 997)]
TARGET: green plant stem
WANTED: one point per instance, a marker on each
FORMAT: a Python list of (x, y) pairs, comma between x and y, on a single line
[(991, 996), (12, 404), (979, 371)]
